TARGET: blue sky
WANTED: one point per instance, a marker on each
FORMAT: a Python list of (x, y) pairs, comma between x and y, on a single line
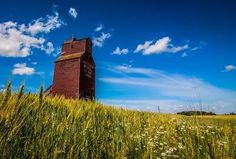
[(149, 54)]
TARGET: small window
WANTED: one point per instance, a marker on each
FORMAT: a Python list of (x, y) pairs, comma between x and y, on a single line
[(72, 46)]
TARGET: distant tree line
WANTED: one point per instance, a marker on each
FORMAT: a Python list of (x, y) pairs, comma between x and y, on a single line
[(196, 113), (231, 113)]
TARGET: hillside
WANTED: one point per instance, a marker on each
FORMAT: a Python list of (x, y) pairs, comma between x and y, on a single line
[(35, 126)]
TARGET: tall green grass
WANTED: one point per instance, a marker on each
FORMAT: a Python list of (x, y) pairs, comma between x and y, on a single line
[(35, 126)]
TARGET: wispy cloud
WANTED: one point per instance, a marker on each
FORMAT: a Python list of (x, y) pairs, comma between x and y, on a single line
[(174, 87), (57, 52), (73, 13), (17, 40), (195, 48), (100, 40), (162, 45), (22, 69), (101, 36), (2, 88), (165, 105), (184, 54), (34, 63), (48, 48), (99, 28), (43, 25), (128, 69), (119, 51), (229, 68)]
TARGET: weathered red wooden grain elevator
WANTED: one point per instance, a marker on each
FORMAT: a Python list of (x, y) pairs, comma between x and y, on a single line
[(74, 72)]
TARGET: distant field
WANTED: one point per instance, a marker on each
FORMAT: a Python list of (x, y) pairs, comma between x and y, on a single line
[(34, 126)]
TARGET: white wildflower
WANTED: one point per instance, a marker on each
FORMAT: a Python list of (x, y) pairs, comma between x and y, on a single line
[(180, 146), (209, 127), (163, 154)]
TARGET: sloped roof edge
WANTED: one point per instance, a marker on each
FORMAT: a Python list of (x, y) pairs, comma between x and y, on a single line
[(70, 56)]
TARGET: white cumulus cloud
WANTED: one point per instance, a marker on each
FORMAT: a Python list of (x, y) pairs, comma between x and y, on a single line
[(22, 69), (119, 51), (17, 40), (229, 68), (162, 45), (73, 12)]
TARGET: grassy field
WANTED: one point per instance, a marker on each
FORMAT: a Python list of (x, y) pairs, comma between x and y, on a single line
[(34, 126)]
